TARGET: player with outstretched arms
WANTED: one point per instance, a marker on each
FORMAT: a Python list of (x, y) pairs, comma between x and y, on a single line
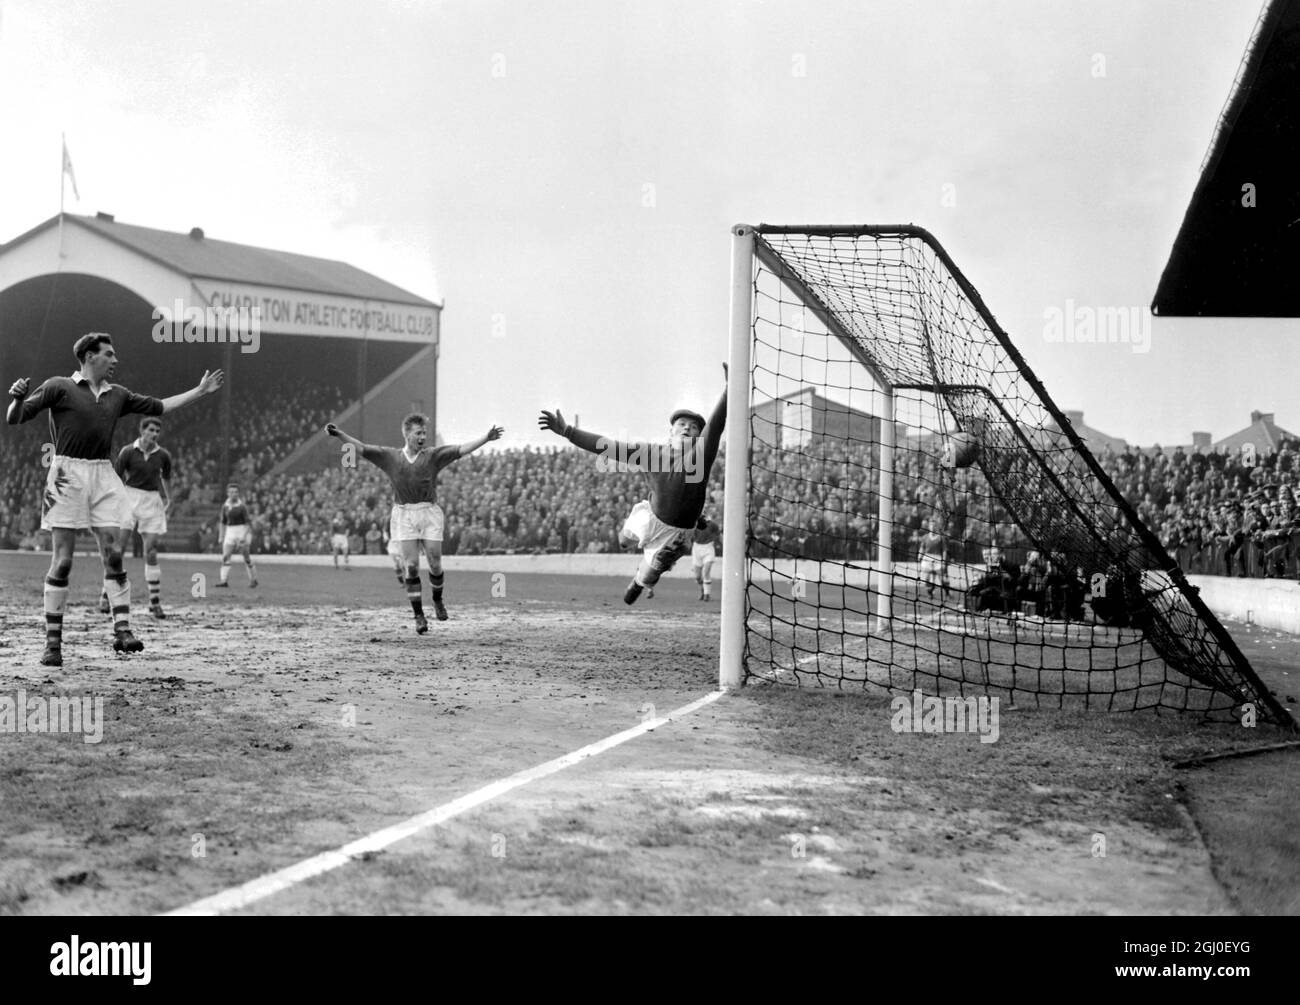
[(82, 491), (339, 530), (703, 553), (678, 473), (145, 469), (236, 533), (417, 520)]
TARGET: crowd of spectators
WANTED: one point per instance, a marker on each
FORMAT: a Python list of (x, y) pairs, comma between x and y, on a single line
[(1215, 511), (1218, 513)]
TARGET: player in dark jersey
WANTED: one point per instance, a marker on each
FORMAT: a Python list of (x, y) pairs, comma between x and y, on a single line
[(678, 473), (82, 491), (236, 532), (340, 528), (145, 469), (417, 520)]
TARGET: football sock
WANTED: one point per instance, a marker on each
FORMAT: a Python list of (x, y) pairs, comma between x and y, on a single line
[(118, 588), (153, 579), (248, 567), (413, 594), (225, 569), (56, 598), (436, 583)]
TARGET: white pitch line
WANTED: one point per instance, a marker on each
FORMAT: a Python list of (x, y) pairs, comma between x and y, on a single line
[(274, 882)]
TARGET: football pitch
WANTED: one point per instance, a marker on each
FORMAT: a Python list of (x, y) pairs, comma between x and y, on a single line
[(266, 728)]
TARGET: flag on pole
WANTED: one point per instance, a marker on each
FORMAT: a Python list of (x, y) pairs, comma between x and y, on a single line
[(67, 170)]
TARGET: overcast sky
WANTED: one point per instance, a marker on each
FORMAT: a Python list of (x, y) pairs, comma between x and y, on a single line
[(564, 175)]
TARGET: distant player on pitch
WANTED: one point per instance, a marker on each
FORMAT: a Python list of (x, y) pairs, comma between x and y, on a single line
[(678, 473), (339, 530), (934, 561), (145, 469), (417, 520), (703, 552), (236, 533), (82, 491)]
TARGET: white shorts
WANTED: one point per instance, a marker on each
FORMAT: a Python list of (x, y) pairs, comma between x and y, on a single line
[(238, 535), (339, 541), (393, 547), (416, 522), (147, 513), (703, 554), (81, 494), (652, 534), (931, 565)]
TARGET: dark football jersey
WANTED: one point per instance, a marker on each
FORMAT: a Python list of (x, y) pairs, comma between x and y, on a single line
[(139, 470), (234, 514), (413, 481), (82, 425)]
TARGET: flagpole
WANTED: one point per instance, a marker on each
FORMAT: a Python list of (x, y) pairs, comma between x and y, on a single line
[(63, 171)]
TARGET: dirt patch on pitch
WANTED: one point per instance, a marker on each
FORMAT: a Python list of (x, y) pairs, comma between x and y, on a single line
[(708, 815), (247, 738)]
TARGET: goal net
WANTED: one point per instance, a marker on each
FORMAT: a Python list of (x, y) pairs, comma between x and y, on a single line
[(920, 515)]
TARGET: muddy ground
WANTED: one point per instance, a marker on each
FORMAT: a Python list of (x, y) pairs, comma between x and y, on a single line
[(262, 727)]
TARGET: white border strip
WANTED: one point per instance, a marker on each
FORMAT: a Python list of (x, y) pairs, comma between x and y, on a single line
[(264, 886)]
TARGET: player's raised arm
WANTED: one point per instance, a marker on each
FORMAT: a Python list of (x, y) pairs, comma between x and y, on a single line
[(717, 423), (212, 381), (17, 393), (22, 408), (634, 456), (492, 434), (338, 434), (367, 450)]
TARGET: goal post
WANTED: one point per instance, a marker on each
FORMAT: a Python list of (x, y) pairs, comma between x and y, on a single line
[(906, 508), (736, 465)]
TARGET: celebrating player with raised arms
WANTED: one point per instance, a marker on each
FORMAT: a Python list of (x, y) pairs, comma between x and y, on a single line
[(82, 491), (417, 520), (678, 473)]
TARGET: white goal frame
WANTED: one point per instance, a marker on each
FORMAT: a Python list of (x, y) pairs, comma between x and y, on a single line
[(735, 559)]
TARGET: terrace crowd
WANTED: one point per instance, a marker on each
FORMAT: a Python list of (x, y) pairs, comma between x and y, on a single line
[(1214, 511)]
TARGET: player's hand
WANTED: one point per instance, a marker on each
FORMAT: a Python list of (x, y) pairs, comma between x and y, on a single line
[(495, 433), (554, 421), (332, 429), (212, 380), (19, 389)]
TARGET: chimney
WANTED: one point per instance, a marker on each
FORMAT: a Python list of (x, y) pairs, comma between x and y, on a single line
[(1201, 440), (106, 217), (1267, 416), (196, 233), (1075, 417), (1255, 417)]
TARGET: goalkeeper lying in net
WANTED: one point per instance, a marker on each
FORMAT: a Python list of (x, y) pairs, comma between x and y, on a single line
[(678, 473)]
